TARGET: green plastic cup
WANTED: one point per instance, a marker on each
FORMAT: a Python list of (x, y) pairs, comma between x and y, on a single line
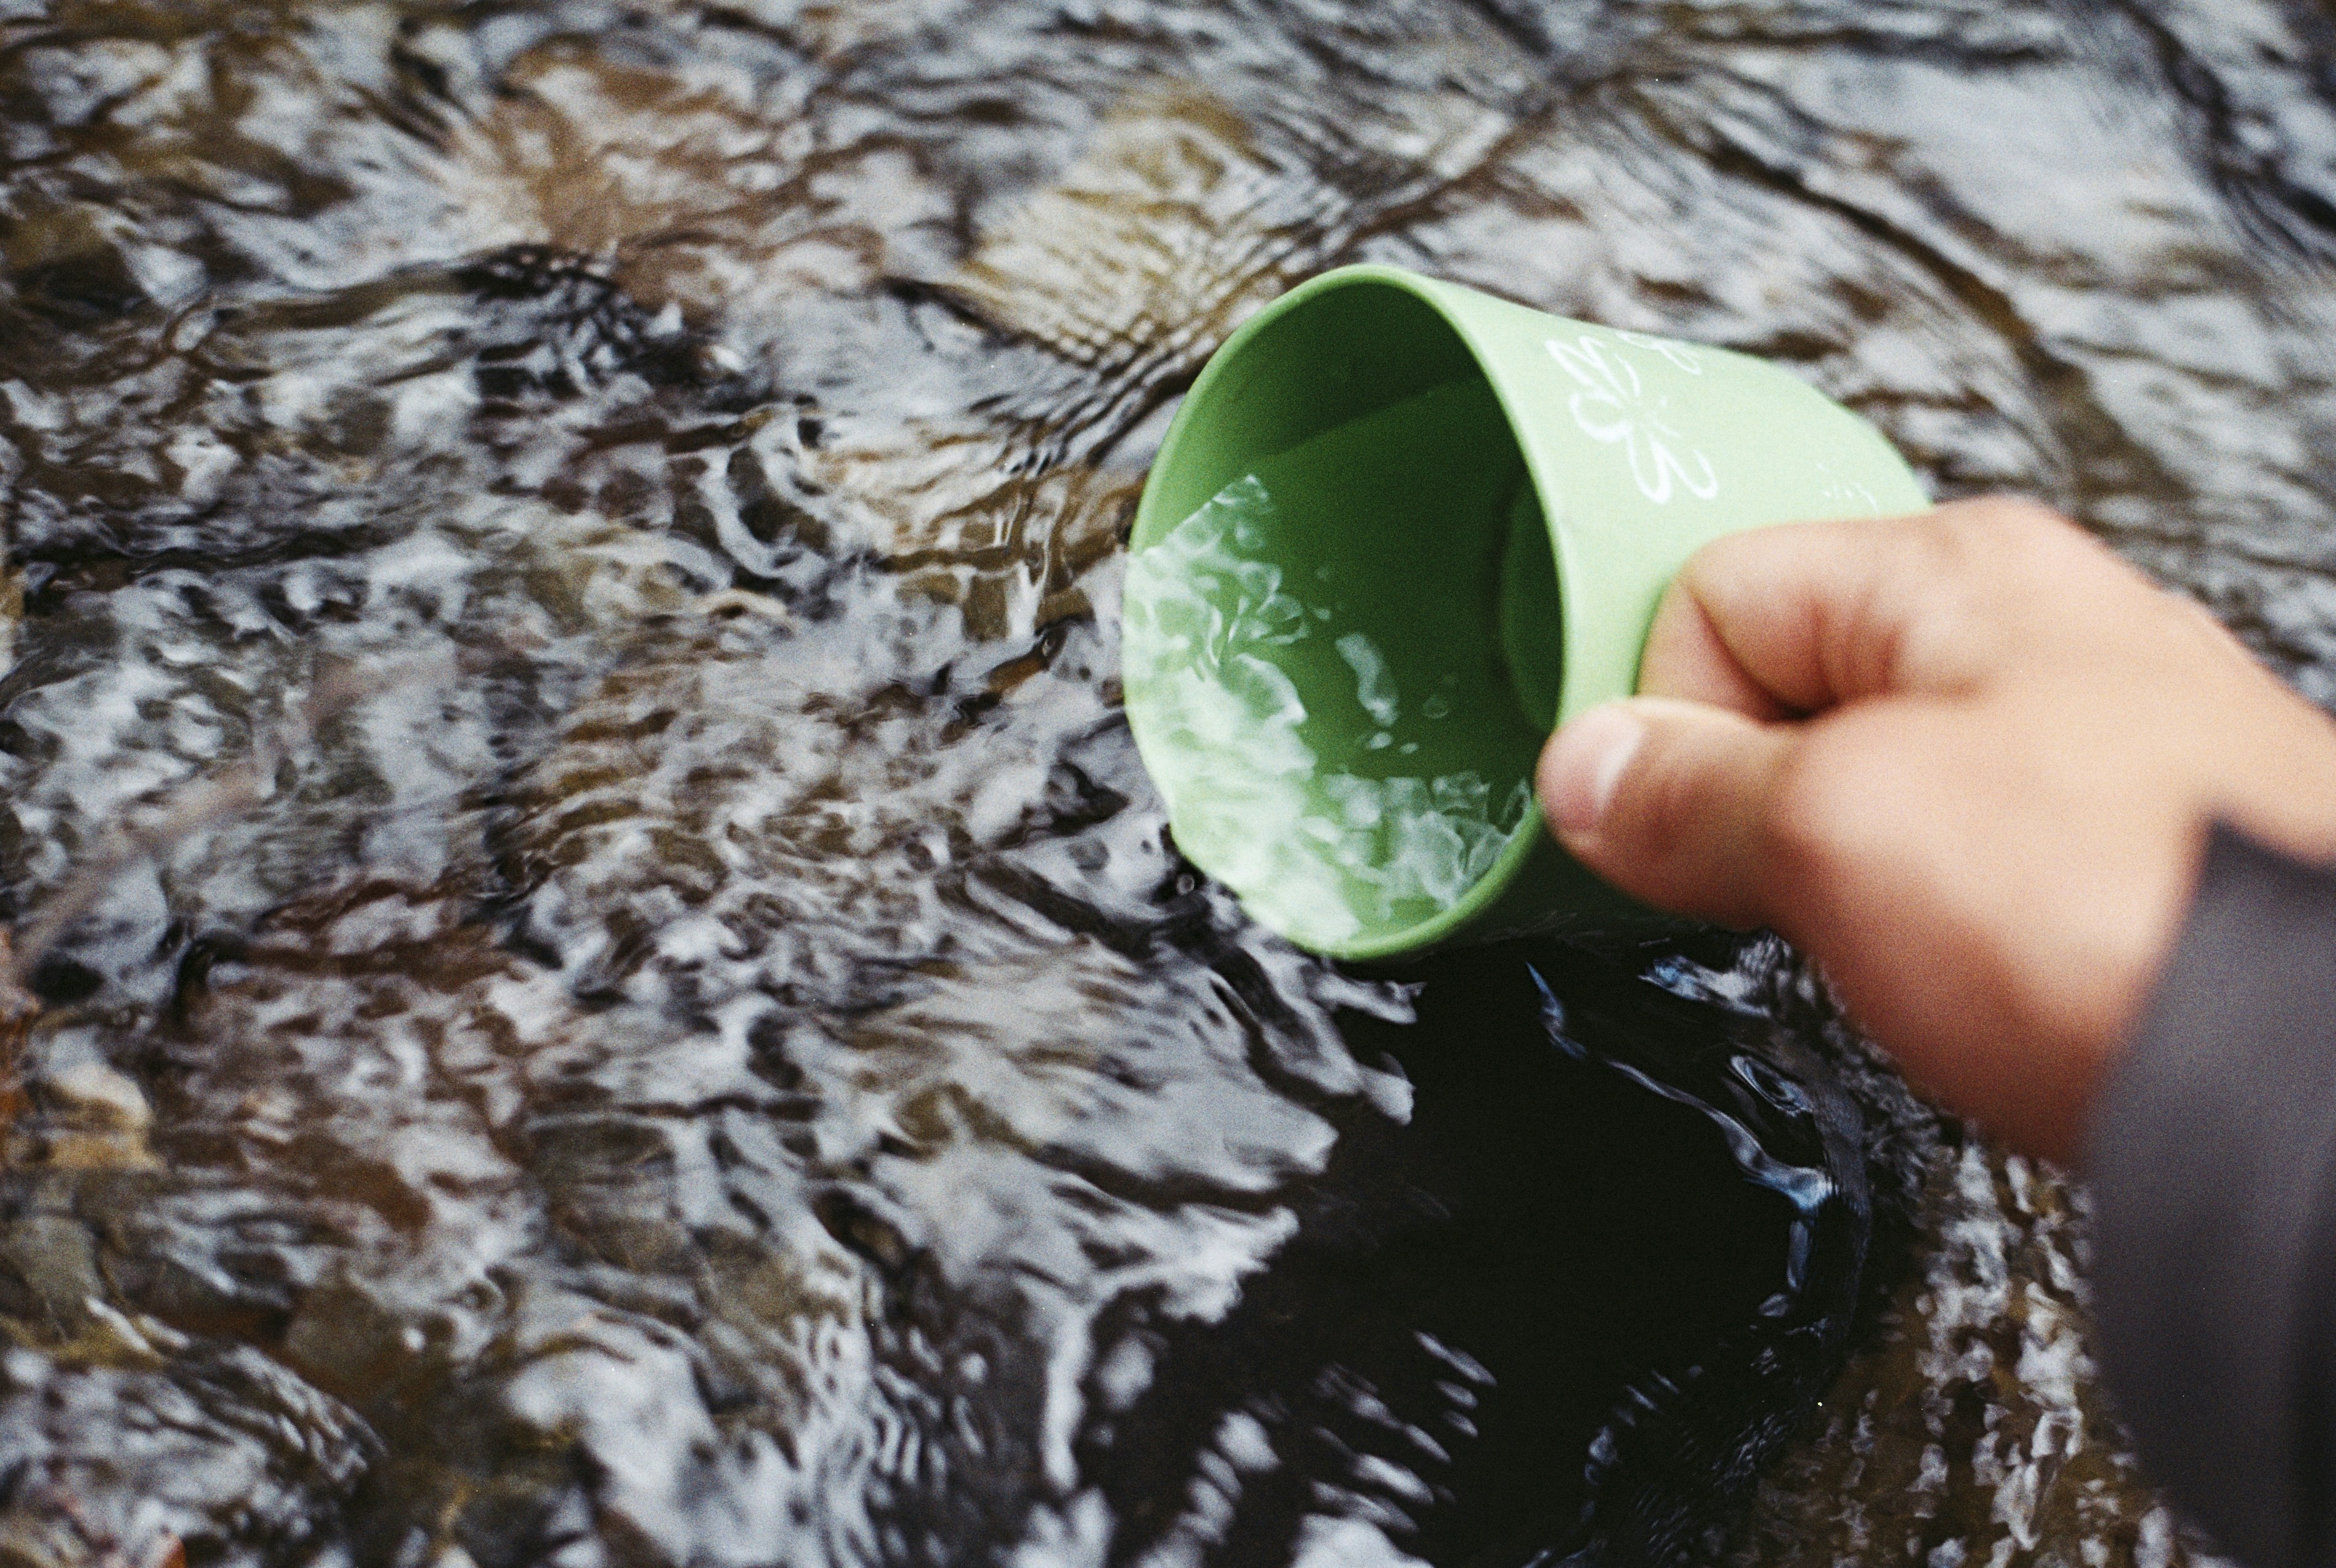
[(1397, 533)]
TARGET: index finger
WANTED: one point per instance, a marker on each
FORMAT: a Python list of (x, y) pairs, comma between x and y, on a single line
[(1802, 618)]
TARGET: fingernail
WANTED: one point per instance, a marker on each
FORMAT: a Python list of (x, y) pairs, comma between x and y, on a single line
[(1586, 762)]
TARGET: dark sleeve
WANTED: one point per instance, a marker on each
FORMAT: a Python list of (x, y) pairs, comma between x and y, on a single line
[(2211, 1151)]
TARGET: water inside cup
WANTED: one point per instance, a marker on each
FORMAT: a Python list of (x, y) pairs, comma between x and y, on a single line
[(1319, 662)]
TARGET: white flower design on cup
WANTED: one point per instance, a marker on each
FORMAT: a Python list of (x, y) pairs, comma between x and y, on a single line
[(1615, 408), (1679, 353), (1848, 493)]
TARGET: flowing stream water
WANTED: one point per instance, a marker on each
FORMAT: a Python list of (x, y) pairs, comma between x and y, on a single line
[(593, 980)]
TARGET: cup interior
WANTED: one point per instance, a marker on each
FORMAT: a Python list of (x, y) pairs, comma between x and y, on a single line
[(1339, 561)]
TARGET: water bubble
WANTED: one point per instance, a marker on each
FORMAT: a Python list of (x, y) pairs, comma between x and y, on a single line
[(1374, 686)]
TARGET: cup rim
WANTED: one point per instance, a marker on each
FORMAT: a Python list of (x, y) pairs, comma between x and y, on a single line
[(1486, 892)]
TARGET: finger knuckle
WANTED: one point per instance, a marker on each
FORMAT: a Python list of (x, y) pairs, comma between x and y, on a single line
[(1996, 574), (2005, 531), (1674, 803), (1820, 809)]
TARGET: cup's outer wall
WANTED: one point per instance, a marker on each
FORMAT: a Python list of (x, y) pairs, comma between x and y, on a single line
[(1642, 449)]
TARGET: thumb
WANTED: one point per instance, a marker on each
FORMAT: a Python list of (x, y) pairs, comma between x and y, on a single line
[(1669, 801)]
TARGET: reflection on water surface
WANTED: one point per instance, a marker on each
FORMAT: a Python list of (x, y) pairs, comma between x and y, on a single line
[(604, 986)]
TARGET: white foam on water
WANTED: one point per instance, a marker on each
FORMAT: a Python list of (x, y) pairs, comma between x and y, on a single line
[(1316, 852), (1374, 687)]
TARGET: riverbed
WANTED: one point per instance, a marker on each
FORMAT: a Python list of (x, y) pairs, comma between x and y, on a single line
[(593, 979)]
